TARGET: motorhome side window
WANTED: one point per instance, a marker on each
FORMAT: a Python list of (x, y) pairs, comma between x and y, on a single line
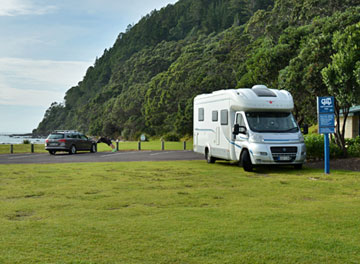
[(224, 117), (215, 116), (201, 114), (240, 120)]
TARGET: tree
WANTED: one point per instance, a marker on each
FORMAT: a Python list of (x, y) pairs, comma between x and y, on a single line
[(302, 77), (265, 63), (340, 76), (146, 81)]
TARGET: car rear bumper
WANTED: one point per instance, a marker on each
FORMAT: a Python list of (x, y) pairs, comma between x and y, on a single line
[(57, 148)]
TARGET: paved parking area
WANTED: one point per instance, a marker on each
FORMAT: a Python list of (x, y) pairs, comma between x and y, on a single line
[(121, 156)]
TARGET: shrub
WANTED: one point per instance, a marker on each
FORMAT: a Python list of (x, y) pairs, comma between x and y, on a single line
[(125, 134), (171, 137), (315, 147), (353, 146), (335, 150), (26, 141)]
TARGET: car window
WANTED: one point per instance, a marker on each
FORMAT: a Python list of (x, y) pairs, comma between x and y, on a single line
[(72, 136), (83, 137), (56, 136)]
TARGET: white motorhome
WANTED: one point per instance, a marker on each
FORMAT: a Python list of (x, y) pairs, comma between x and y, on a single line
[(253, 126)]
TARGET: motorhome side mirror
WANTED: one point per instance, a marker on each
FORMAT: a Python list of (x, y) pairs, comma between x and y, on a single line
[(236, 130), (242, 130), (305, 129)]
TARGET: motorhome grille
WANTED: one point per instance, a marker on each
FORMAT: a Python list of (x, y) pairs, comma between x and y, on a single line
[(284, 154), (284, 157), (283, 150), (263, 92)]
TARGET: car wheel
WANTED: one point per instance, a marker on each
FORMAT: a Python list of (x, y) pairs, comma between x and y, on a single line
[(246, 161), (208, 157), (52, 152), (93, 148), (72, 150)]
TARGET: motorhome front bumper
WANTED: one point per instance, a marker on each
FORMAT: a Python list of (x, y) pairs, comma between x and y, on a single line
[(278, 154)]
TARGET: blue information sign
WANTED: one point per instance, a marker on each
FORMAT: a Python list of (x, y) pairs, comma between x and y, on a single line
[(326, 118), (326, 104), (326, 130)]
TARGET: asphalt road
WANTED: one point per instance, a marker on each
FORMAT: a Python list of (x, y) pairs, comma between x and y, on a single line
[(121, 156)]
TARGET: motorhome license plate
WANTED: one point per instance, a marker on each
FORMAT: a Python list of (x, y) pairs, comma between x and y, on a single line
[(284, 158)]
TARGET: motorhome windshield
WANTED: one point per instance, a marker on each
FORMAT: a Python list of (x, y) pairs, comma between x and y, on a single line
[(279, 122)]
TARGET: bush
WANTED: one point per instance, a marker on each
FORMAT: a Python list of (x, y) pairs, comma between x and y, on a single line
[(335, 150), (353, 146), (315, 147), (352, 141), (125, 134), (26, 141), (171, 137), (354, 151)]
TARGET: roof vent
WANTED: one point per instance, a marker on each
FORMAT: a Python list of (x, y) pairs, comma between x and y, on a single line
[(263, 91)]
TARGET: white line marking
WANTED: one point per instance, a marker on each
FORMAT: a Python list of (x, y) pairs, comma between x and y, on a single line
[(123, 153), (158, 153), (61, 157), (28, 156)]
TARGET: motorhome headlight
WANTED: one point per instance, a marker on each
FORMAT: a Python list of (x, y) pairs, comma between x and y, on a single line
[(256, 138), (301, 138), (303, 150)]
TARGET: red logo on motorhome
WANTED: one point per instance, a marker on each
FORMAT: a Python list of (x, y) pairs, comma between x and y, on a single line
[(270, 102)]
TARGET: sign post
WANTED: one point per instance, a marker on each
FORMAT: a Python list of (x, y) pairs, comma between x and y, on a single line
[(326, 121)]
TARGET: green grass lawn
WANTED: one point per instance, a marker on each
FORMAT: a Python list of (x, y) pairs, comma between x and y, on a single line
[(123, 145), (22, 148), (150, 145), (177, 212)]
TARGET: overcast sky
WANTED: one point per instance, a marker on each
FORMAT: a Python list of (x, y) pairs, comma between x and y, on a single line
[(46, 47)]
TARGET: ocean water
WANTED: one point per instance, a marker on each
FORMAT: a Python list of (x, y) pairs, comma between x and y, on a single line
[(6, 138)]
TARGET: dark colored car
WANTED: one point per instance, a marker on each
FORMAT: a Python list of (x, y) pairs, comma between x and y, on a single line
[(69, 141)]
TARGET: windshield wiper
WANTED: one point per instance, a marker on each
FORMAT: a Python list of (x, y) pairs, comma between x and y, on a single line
[(291, 129)]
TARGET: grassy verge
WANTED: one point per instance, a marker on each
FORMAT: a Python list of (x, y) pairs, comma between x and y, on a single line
[(22, 148), (177, 212), (127, 145), (154, 145)]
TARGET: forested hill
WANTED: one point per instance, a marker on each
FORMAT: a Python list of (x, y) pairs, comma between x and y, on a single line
[(146, 82)]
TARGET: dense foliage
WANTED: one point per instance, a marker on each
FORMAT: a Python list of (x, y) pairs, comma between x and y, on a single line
[(315, 147), (146, 82)]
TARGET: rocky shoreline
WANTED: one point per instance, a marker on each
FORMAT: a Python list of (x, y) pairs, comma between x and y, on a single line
[(30, 135)]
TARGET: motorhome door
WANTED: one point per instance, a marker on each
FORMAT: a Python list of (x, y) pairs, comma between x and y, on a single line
[(242, 137)]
